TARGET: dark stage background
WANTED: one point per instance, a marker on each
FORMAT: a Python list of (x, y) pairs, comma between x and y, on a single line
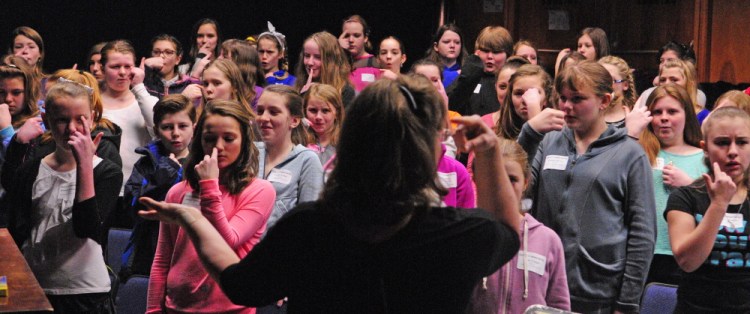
[(70, 28)]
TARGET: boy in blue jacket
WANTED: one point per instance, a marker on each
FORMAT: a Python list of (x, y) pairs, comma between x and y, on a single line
[(154, 174)]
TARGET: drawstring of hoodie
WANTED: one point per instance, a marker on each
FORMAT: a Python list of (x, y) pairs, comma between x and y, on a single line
[(525, 259)]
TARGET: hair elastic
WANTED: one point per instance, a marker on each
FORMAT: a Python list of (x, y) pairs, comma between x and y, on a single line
[(409, 97)]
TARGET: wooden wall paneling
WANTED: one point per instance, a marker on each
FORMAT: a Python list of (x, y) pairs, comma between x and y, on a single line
[(702, 38), (469, 15), (729, 48)]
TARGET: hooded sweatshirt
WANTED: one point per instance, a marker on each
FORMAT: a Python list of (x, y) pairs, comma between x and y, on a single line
[(473, 92), (153, 175), (297, 179), (453, 176), (601, 204), (536, 275)]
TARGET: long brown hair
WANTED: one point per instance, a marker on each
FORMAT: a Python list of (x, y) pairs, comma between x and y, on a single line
[(30, 33), (329, 95), (293, 102), (691, 134), (433, 55), (509, 124), (334, 68), (240, 90), (386, 164), (16, 67), (245, 56), (245, 168), (95, 99)]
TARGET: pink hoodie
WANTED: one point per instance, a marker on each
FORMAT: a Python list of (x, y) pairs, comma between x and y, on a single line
[(453, 176), (537, 279)]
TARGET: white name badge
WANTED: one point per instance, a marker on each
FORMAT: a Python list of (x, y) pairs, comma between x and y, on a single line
[(659, 164), (476, 89), (281, 176), (191, 200), (535, 262), (732, 220), (368, 77), (448, 180), (555, 162)]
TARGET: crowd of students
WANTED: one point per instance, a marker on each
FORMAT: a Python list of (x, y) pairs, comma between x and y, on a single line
[(349, 186)]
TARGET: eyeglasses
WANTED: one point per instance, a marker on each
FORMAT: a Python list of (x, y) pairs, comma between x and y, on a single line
[(618, 81), (167, 53)]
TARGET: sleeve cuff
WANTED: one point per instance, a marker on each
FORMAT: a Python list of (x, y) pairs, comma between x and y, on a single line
[(209, 189), (626, 307), (139, 88), (7, 132)]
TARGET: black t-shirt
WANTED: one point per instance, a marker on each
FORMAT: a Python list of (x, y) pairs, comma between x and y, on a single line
[(430, 266), (722, 283)]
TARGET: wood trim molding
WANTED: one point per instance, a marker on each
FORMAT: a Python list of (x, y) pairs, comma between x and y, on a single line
[(702, 37)]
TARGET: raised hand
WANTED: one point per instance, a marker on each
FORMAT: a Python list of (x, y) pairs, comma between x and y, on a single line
[(168, 212), (155, 63), (532, 97), (388, 74), (721, 188), (30, 130), (547, 120), (83, 147), (205, 50), (139, 73), (193, 91), (174, 158), (5, 117), (308, 83), (208, 168), (560, 55), (637, 120), (201, 65), (473, 135)]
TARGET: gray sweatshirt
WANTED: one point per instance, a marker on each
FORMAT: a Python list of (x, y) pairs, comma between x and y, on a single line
[(601, 204), (297, 179)]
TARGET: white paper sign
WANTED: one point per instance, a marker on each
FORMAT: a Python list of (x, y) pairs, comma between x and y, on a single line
[(192, 201), (659, 164), (535, 262), (281, 176), (448, 180), (368, 77), (555, 162), (476, 89), (732, 220)]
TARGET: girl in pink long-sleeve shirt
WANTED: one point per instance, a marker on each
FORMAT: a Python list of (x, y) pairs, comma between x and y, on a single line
[(221, 182)]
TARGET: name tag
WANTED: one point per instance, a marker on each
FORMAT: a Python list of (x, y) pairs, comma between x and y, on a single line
[(476, 89), (191, 200), (448, 180), (555, 162), (281, 176), (659, 164), (368, 77), (534, 262), (732, 220)]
